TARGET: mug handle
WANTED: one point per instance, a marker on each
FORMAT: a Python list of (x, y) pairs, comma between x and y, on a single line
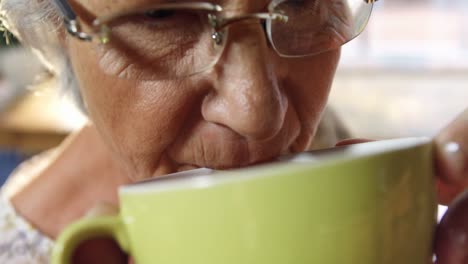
[(86, 229)]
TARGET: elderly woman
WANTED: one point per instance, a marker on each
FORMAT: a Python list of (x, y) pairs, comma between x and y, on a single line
[(176, 85)]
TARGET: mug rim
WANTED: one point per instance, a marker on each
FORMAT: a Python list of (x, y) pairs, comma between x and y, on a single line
[(204, 177)]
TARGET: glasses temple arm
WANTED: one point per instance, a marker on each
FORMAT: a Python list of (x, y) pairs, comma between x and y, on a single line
[(66, 9), (70, 19)]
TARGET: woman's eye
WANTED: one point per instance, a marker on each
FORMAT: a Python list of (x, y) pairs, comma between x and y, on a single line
[(297, 2), (301, 5), (159, 14), (160, 19)]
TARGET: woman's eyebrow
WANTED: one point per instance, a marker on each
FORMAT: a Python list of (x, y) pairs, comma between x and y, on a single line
[(120, 5), (92, 9), (100, 6)]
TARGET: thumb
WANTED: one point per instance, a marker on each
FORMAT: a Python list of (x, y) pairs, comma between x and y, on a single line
[(452, 151), (451, 158)]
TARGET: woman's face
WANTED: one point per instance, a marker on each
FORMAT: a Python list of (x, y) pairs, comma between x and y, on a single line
[(252, 106)]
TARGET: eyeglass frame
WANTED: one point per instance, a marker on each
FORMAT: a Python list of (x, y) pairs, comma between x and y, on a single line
[(73, 26)]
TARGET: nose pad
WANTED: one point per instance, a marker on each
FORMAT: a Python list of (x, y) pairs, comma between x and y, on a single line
[(246, 95)]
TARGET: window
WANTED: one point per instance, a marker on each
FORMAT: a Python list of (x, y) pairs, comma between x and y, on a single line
[(407, 74)]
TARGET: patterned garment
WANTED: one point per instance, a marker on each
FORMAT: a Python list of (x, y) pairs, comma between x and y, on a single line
[(20, 243)]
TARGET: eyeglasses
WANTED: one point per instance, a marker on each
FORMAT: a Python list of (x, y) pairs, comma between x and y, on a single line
[(178, 39)]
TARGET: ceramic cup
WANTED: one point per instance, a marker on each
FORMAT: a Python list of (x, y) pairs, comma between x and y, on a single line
[(371, 203)]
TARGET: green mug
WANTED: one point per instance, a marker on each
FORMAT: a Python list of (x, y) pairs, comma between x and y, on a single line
[(371, 203)]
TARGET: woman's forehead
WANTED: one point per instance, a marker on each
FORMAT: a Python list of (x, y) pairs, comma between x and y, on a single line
[(100, 6)]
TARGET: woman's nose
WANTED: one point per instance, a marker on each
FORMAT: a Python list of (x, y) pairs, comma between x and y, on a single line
[(247, 96)]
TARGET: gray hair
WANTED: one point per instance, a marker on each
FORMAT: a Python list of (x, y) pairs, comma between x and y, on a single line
[(38, 26)]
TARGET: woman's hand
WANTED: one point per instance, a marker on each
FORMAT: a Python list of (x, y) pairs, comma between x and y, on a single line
[(451, 242)]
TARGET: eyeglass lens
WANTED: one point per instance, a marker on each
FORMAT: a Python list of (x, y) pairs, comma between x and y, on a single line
[(168, 44), (316, 26)]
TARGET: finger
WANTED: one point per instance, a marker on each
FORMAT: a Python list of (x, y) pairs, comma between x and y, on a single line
[(447, 192), (451, 147), (100, 250), (451, 241)]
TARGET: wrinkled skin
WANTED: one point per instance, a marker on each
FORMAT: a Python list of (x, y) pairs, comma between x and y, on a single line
[(252, 106)]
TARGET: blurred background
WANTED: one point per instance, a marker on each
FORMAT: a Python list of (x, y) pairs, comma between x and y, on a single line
[(407, 75)]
